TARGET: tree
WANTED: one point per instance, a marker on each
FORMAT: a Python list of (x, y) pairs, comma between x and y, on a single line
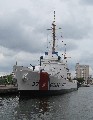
[(80, 80)]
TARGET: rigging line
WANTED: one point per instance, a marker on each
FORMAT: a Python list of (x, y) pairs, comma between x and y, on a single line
[(47, 40)]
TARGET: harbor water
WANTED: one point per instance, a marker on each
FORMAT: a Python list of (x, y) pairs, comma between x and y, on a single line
[(77, 105)]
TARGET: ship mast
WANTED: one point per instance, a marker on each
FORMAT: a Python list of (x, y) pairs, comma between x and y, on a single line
[(53, 32)]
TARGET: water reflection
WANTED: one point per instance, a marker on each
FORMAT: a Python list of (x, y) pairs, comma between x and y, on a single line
[(32, 108), (46, 108), (55, 107), (43, 105)]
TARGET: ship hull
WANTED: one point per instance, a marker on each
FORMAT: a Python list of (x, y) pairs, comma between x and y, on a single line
[(42, 84), (41, 93)]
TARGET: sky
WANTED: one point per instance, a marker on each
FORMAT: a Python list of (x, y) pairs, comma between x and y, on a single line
[(24, 36)]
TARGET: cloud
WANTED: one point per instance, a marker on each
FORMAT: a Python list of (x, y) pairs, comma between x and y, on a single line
[(74, 31), (87, 2), (18, 32), (77, 23)]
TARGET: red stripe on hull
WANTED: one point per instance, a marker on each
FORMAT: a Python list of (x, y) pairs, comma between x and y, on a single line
[(43, 82)]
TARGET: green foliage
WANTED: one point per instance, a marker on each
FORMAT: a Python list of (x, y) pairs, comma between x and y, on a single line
[(6, 79), (2, 81), (80, 80), (9, 79)]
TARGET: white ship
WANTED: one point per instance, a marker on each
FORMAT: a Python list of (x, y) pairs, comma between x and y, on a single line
[(50, 79)]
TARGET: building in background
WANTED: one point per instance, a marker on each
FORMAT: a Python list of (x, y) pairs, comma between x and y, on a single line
[(82, 71)]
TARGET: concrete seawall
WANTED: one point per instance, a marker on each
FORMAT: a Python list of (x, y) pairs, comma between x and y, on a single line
[(8, 89)]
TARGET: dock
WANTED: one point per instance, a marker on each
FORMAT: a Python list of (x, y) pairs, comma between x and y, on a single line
[(8, 89)]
